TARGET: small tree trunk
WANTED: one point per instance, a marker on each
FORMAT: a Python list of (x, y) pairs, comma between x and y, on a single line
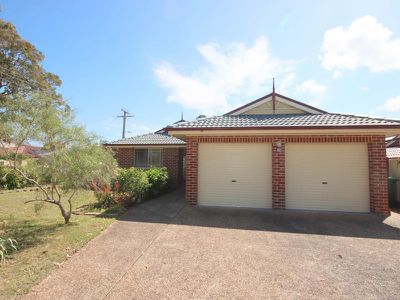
[(66, 215)]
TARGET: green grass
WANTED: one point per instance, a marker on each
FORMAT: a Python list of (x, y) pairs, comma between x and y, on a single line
[(43, 239)]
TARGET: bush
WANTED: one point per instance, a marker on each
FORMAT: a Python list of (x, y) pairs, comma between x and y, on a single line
[(158, 180), (132, 183), (14, 180), (11, 179), (132, 186), (104, 199)]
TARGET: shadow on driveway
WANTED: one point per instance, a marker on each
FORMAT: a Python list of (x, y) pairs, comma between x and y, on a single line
[(171, 209)]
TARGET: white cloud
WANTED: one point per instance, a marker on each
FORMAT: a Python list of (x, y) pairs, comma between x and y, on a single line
[(391, 105), (337, 74), (365, 43), (311, 87), (285, 83), (232, 74), (364, 88)]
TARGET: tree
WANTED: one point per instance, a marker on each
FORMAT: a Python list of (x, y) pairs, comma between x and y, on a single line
[(20, 66), (74, 157)]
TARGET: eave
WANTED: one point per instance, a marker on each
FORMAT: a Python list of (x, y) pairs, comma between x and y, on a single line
[(280, 130)]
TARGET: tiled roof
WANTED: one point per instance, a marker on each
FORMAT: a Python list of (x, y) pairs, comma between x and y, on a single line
[(287, 120), (393, 142), (393, 152), (149, 139)]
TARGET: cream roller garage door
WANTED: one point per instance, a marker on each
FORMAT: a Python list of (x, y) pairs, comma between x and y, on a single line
[(233, 174), (330, 177)]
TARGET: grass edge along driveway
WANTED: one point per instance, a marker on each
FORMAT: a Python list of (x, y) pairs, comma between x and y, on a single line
[(44, 242)]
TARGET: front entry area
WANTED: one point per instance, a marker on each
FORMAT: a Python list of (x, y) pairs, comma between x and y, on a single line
[(235, 174)]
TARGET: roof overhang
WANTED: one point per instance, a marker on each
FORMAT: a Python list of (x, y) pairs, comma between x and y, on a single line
[(281, 130), (144, 146)]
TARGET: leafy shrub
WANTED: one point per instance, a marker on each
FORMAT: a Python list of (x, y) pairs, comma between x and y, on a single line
[(158, 180), (3, 174), (132, 182), (14, 180), (6, 246), (104, 199), (11, 179), (131, 186)]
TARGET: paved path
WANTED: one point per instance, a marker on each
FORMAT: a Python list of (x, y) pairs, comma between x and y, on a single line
[(164, 249)]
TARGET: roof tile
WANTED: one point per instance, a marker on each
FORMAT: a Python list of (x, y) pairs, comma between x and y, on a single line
[(149, 139), (393, 152), (286, 120)]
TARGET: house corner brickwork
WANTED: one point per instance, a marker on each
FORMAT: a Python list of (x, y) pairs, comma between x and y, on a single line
[(378, 176), (278, 173), (191, 170)]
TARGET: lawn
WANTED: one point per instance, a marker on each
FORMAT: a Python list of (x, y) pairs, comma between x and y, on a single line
[(44, 241)]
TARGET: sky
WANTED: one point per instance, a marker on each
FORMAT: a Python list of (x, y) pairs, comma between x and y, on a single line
[(158, 59)]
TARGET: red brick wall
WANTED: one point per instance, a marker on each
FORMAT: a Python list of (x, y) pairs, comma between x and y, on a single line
[(376, 154), (378, 175), (278, 173), (191, 170), (125, 157), (171, 159)]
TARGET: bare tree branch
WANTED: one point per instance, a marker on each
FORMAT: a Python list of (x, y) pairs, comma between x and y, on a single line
[(57, 192), (69, 201), (34, 182), (40, 200)]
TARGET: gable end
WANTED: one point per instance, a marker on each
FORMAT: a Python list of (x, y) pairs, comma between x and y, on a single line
[(283, 105)]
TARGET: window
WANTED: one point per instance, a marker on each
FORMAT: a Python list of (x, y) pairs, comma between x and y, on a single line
[(141, 158), (147, 158)]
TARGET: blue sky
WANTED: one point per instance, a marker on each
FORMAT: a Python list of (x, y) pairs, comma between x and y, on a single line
[(160, 58)]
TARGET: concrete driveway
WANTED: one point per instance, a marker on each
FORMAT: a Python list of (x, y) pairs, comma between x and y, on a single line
[(164, 249)]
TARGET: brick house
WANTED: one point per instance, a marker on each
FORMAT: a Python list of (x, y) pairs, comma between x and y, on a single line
[(276, 152), (153, 149), (393, 156)]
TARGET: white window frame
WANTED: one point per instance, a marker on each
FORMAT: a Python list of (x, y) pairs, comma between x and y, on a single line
[(149, 152)]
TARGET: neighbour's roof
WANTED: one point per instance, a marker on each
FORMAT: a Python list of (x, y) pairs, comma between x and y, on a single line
[(393, 152), (286, 121), (149, 139), (393, 142)]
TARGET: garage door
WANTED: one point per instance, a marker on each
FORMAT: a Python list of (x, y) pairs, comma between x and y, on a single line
[(327, 177), (235, 175)]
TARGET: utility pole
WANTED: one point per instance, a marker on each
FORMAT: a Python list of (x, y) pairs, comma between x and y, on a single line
[(124, 117)]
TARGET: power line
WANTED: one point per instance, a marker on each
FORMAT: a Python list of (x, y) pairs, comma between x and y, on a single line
[(124, 116)]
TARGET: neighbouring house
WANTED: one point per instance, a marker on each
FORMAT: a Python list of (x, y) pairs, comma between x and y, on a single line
[(152, 150), (393, 155), (276, 152), (26, 149), (29, 151)]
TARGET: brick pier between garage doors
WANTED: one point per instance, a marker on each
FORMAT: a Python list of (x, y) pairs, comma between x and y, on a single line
[(372, 146)]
